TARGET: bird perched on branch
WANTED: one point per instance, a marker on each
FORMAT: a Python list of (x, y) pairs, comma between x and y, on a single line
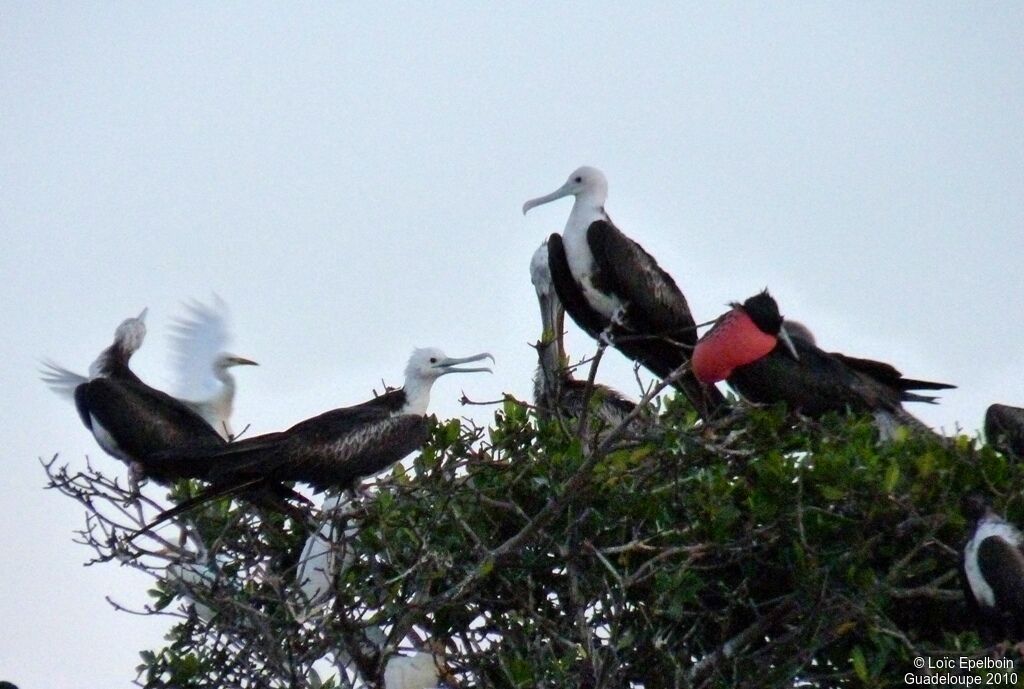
[(555, 389), (992, 573), (617, 292), (129, 419), (750, 348), (333, 450), (204, 382)]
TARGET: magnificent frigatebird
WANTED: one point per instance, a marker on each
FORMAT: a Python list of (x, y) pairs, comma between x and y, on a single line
[(129, 419), (199, 342), (749, 347), (617, 292), (336, 448), (555, 390), (992, 573), (1004, 429)]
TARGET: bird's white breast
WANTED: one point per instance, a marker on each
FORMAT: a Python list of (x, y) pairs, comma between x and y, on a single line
[(105, 440), (583, 267), (987, 528)]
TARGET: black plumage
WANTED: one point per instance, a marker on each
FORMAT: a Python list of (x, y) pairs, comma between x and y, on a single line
[(750, 347), (616, 291), (1004, 429)]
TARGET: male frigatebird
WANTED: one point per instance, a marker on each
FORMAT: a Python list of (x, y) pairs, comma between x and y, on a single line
[(992, 573), (617, 292), (750, 348)]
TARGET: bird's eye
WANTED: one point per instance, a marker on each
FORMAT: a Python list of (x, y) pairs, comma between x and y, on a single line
[(433, 359), (578, 180)]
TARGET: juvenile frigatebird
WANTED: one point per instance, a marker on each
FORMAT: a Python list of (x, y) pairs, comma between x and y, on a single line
[(204, 381), (337, 448), (992, 573), (1004, 429), (129, 419), (617, 292), (750, 348), (555, 390)]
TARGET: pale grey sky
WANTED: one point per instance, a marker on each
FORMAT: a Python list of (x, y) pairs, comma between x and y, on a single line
[(348, 178)]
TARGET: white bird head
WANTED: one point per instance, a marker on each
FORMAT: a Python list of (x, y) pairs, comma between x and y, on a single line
[(587, 184), (132, 331), (430, 363)]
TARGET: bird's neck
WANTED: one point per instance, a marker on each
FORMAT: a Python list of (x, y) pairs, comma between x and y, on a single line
[(113, 357), (587, 209), (417, 396)]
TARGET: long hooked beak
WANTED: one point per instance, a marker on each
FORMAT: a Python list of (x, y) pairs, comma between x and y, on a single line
[(551, 314), (241, 361), (784, 336), (448, 365), (563, 190), (142, 316)]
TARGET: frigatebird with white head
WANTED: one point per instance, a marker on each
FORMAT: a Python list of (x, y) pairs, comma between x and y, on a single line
[(204, 382), (751, 349), (555, 389), (337, 448), (129, 419), (992, 572), (617, 292)]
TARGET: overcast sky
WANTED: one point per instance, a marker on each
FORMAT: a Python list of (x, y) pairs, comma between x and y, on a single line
[(349, 178)]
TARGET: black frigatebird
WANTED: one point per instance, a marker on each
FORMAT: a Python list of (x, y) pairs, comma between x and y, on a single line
[(335, 449), (992, 573), (205, 383), (1004, 429), (555, 389), (617, 292), (750, 348), (129, 419)]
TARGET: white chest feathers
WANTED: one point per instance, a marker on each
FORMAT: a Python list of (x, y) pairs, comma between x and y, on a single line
[(106, 440), (583, 268), (988, 527)]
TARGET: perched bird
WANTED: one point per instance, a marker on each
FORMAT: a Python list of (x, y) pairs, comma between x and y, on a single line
[(204, 381), (335, 449), (554, 387), (992, 573), (129, 419), (1004, 429), (617, 292), (749, 347)]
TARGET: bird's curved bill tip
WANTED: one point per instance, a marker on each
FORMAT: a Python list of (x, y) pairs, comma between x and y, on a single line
[(142, 314), (242, 361)]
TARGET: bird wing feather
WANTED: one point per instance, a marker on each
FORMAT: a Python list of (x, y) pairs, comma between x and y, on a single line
[(197, 339), (635, 276), (569, 292), (1002, 565), (1004, 428), (61, 380)]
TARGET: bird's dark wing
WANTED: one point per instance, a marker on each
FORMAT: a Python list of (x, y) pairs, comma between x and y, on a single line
[(569, 292), (142, 420), (1002, 565), (1004, 428), (889, 376), (656, 304)]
